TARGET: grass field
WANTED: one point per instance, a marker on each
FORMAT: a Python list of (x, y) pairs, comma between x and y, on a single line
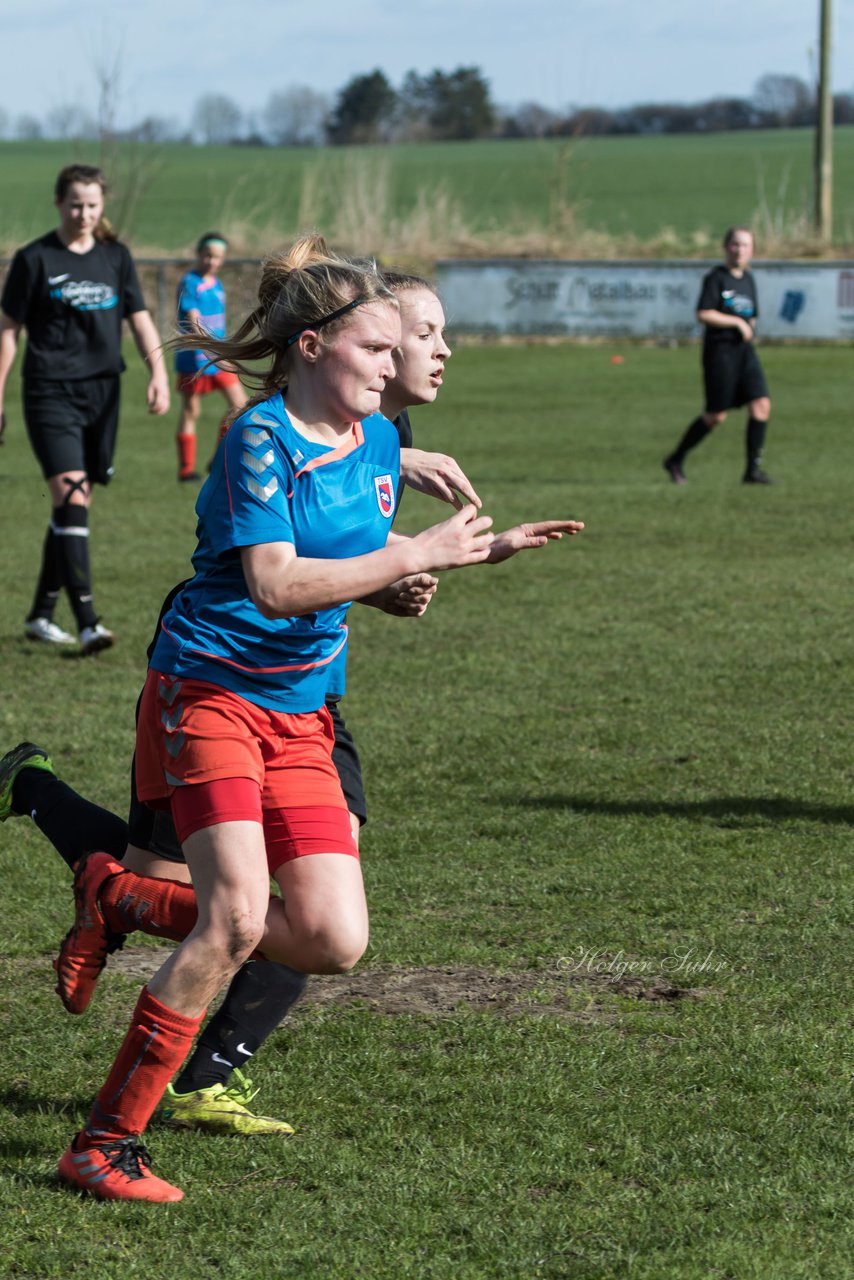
[(631, 749), (584, 196)]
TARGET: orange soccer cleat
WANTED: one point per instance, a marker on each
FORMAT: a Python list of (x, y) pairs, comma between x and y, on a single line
[(116, 1170), (84, 949)]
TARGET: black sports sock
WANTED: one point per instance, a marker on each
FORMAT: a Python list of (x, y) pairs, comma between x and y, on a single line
[(50, 579), (755, 442), (74, 826), (697, 431), (71, 526), (260, 995)]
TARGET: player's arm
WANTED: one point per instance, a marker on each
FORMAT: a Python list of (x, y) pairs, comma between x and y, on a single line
[(148, 345), (9, 333), (723, 320), (192, 318), (285, 585), (525, 537), (406, 598), (437, 475), (522, 537)]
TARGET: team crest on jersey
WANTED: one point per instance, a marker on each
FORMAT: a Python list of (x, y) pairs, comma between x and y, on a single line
[(385, 495)]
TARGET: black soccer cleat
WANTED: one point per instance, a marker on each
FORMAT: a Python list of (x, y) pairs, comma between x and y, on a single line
[(674, 470)]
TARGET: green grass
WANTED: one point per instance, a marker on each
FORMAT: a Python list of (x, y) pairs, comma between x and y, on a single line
[(680, 191), (636, 743)]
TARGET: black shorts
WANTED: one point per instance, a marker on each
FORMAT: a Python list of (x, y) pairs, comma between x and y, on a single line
[(733, 376), (345, 757), (72, 425), (154, 830)]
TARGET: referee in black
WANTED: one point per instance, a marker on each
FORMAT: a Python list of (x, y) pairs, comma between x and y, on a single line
[(733, 376)]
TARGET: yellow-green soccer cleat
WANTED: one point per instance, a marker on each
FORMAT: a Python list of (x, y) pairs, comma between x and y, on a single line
[(221, 1108), (25, 756)]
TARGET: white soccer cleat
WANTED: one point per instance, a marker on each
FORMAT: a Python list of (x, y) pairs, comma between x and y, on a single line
[(46, 631), (94, 639)]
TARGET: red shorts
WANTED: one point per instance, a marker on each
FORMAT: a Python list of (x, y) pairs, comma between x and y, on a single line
[(202, 384), (194, 734)]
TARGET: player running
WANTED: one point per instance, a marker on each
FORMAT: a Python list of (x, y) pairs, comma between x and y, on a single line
[(233, 734), (201, 309), (728, 307), (203, 1096), (70, 290)]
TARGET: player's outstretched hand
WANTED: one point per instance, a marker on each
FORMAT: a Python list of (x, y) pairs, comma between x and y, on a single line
[(406, 598), (157, 394), (439, 476), (746, 330), (461, 540), (522, 537)]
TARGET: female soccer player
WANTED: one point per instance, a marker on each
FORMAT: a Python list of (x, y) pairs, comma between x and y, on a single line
[(208, 1094), (233, 734), (70, 290), (201, 309), (732, 374)]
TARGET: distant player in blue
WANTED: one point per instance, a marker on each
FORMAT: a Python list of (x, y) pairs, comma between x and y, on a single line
[(233, 734), (728, 306), (201, 309)]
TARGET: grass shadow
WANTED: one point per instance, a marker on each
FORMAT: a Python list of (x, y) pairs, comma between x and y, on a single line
[(724, 810), (22, 1101)]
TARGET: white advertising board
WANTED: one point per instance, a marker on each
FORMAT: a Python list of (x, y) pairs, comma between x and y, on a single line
[(809, 301)]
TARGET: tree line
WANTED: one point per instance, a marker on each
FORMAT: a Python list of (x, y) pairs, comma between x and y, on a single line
[(442, 105)]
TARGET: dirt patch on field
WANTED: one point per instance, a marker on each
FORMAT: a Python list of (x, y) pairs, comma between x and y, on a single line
[(441, 992)]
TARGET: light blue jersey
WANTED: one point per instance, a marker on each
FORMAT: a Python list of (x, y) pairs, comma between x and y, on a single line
[(271, 484), (207, 296)]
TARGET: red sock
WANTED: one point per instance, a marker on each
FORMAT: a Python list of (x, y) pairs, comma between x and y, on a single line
[(154, 1048), (186, 442), (163, 908)]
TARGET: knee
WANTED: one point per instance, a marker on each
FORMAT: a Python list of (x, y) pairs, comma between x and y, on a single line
[(234, 935), (335, 948), (761, 409), (714, 419)]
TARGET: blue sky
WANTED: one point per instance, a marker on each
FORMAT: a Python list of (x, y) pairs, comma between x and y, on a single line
[(556, 52)]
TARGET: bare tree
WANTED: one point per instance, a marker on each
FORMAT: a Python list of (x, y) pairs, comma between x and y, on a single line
[(67, 120), (155, 129), (296, 117), (108, 65), (786, 99), (130, 166), (216, 118), (27, 128), (529, 120)]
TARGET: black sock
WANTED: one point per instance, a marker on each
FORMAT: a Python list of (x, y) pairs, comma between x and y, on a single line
[(755, 442), (71, 526), (50, 579), (260, 995), (697, 431), (74, 826)]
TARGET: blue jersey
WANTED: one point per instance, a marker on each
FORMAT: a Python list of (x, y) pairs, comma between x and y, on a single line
[(206, 295), (271, 484), (336, 685)]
